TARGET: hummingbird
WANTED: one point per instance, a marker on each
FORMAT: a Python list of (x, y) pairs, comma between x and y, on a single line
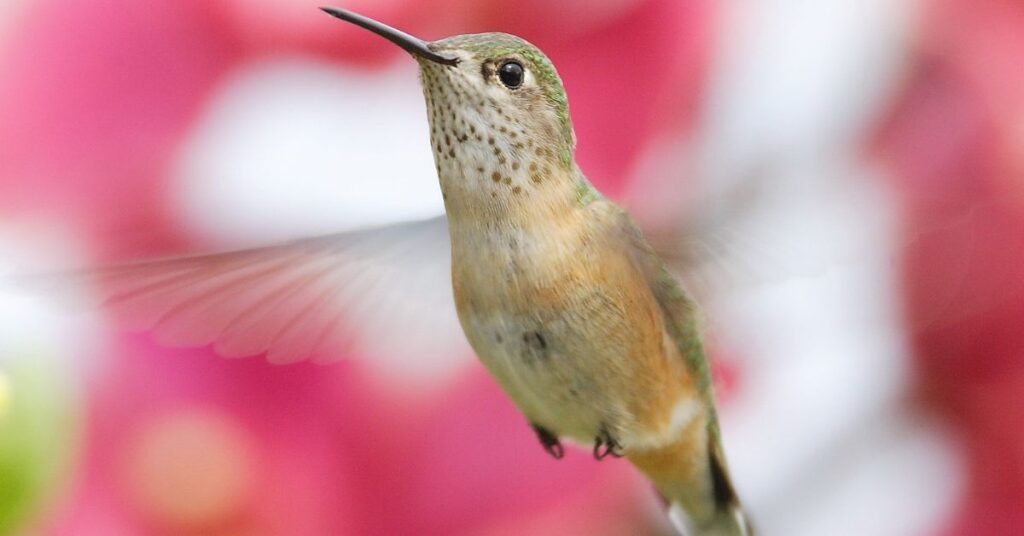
[(554, 286)]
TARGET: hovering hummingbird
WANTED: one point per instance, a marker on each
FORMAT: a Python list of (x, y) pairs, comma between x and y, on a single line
[(554, 286)]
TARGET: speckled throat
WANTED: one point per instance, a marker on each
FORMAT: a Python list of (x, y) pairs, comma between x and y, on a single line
[(499, 152)]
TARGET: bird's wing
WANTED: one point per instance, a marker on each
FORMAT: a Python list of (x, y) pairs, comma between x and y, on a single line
[(677, 306), (731, 242), (383, 291), (681, 320)]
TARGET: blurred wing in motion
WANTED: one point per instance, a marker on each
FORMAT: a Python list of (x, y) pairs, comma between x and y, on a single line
[(749, 240), (737, 240), (384, 292)]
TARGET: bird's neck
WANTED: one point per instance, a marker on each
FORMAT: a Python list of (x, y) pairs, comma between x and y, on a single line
[(532, 192)]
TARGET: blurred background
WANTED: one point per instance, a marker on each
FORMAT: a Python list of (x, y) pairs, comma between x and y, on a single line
[(858, 166)]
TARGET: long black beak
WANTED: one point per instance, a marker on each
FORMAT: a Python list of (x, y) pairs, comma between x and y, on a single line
[(411, 44)]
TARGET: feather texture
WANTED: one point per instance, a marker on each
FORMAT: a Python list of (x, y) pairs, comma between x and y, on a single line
[(384, 292)]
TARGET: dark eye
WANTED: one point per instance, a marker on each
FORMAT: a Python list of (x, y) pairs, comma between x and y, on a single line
[(511, 73)]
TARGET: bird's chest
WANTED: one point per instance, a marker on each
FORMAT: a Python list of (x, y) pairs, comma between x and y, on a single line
[(540, 312), (519, 279)]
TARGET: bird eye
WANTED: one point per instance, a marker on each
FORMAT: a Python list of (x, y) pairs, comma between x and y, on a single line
[(511, 73)]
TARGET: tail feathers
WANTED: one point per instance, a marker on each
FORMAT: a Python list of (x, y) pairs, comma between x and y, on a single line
[(725, 516), (692, 476), (729, 521)]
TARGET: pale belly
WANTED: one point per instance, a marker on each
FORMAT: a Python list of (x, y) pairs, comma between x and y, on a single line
[(566, 321), (553, 369), (579, 353)]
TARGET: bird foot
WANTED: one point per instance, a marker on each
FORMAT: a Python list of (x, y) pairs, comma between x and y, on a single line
[(550, 441), (605, 445)]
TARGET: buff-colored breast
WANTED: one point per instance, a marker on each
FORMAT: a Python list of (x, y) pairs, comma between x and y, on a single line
[(565, 320)]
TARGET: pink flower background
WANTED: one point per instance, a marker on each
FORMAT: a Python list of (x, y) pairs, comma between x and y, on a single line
[(104, 104)]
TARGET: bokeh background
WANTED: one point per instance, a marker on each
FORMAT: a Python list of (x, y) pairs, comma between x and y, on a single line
[(858, 164)]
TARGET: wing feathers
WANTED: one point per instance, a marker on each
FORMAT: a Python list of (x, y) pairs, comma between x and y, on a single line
[(379, 291)]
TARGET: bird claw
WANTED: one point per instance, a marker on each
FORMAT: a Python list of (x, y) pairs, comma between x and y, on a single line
[(550, 441), (605, 445)]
